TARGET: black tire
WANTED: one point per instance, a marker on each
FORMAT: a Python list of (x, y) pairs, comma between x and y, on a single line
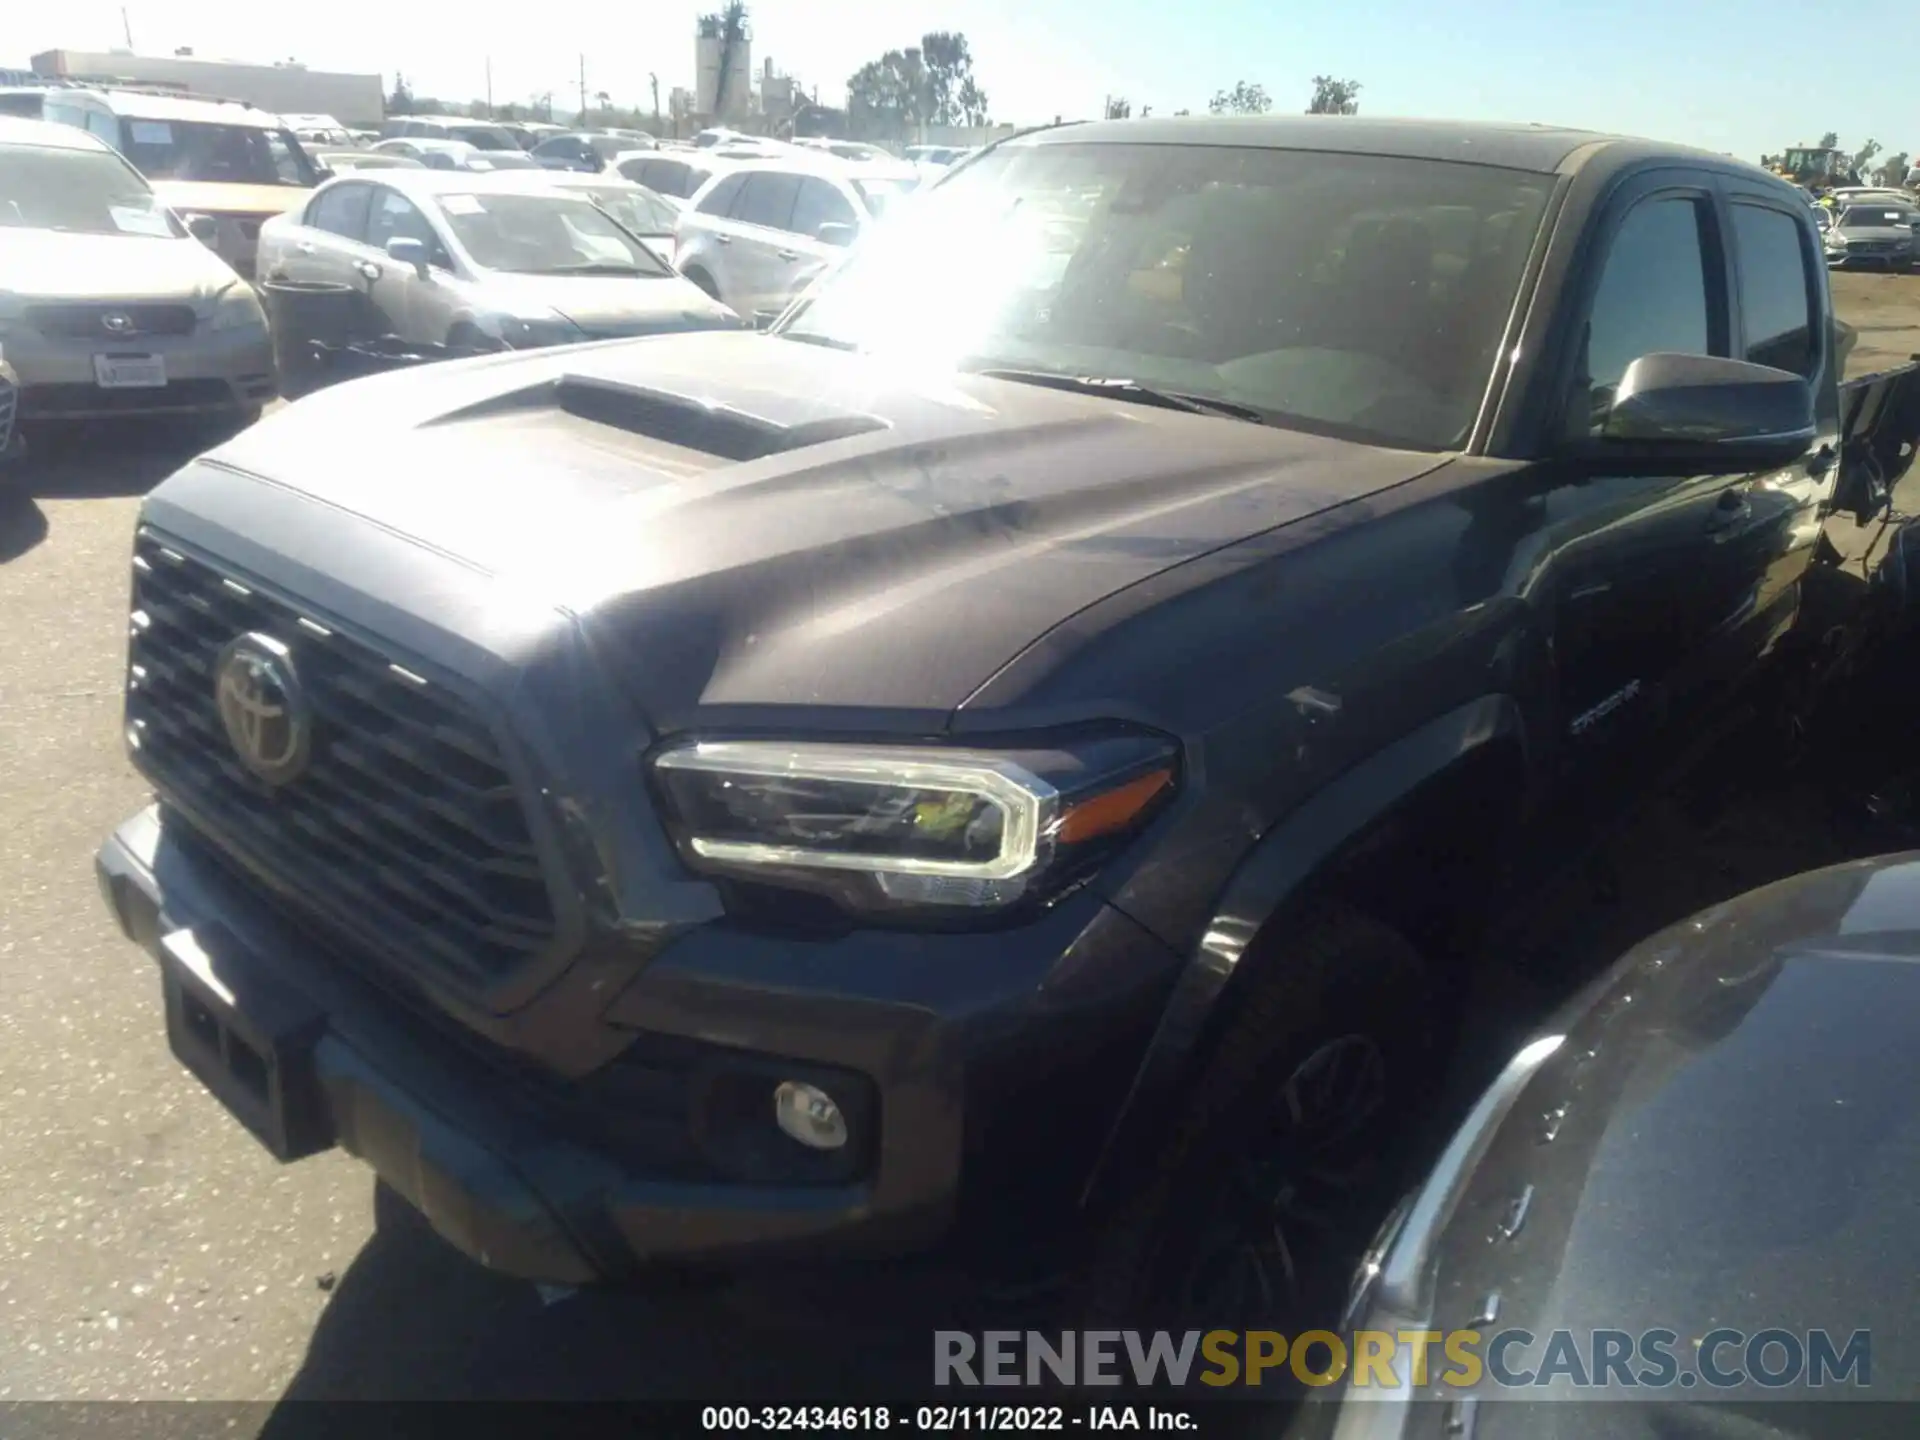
[(1337, 991)]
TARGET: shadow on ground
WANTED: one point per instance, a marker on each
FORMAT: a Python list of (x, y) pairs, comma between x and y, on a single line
[(87, 462), (412, 1319)]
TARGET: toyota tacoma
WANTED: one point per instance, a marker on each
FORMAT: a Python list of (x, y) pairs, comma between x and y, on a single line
[(1018, 760)]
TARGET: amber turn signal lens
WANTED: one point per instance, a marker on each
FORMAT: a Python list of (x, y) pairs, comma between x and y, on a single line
[(1114, 810)]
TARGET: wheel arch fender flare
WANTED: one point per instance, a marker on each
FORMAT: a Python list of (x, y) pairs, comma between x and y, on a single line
[(1274, 873)]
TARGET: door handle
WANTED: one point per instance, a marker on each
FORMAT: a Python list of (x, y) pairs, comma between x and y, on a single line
[(368, 269), (1822, 461), (788, 254)]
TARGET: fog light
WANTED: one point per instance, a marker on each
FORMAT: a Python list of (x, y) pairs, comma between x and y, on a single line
[(809, 1115)]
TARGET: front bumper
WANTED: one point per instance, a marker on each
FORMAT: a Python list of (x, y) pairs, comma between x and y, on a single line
[(207, 372), (996, 1080)]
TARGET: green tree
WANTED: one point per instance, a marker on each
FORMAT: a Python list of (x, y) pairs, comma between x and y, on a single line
[(952, 98), (1893, 170), (889, 96), (1243, 99), (1334, 97), (1119, 107), (1830, 140), (400, 102)]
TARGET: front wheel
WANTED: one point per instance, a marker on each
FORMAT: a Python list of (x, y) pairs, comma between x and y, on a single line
[(1289, 1151)]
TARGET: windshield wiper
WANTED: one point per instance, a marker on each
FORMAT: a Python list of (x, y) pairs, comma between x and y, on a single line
[(1119, 388), (596, 267), (809, 337)]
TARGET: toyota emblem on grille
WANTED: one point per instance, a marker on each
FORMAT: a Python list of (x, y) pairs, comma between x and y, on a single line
[(117, 321), (262, 707)]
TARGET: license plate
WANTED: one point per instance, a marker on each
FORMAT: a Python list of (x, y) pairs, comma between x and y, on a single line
[(130, 372), (247, 1041)]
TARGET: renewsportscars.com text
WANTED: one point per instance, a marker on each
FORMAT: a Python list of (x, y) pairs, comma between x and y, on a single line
[(1386, 1360)]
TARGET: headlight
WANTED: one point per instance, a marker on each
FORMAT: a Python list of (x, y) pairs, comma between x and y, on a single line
[(890, 828), (239, 309)]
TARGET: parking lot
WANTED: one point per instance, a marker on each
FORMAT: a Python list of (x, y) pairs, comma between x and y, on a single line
[(150, 1249)]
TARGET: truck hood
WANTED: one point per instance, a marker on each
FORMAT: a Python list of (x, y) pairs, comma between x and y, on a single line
[(55, 265), (219, 198), (746, 521)]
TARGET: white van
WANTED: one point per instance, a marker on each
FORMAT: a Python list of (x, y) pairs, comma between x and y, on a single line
[(219, 158)]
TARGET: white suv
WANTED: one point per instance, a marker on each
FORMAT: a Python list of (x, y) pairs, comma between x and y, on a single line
[(756, 235)]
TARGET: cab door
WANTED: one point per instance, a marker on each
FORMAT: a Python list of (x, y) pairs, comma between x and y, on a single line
[(1626, 568), (1781, 314)]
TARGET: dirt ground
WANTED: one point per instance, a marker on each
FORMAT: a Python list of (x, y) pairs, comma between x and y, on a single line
[(1885, 308)]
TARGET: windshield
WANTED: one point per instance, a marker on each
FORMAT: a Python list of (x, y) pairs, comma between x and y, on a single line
[(879, 194), (1360, 295), (1865, 216), (483, 137), (82, 192), (641, 211), (224, 154), (545, 235)]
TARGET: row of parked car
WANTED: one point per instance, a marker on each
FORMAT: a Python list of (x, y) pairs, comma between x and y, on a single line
[(1872, 228), (448, 236)]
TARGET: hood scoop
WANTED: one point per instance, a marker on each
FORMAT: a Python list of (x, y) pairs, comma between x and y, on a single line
[(695, 424)]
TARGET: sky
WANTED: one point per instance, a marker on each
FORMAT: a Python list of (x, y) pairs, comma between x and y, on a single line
[(1728, 75)]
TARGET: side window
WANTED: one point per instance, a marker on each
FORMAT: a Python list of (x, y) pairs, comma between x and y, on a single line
[(341, 210), (286, 164), (719, 200), (767, 199), (64, 114), (1776, 302), (396, 216), (1654, 295), (820, 203), (107, 127)]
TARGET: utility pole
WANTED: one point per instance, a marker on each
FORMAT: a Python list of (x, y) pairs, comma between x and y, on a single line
[(654, 81), (489, 87), (583, 89), (126, 26)]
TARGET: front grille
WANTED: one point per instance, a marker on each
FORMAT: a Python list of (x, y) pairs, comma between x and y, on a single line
[(403, 837), (107, 323), (49, 402)]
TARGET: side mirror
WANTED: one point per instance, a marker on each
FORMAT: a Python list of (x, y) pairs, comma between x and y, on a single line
[(405, 250), (1706, 414), (204, 228), (835, 232)]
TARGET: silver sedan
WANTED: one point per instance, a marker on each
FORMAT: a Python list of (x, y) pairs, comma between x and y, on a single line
[(481, 261), (108, 304)]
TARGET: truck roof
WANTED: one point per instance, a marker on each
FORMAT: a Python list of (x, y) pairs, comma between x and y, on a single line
[(1541, 148), (147, 105)]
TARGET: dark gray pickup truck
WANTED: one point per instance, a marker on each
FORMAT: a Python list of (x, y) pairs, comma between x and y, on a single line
[(1023, 755)]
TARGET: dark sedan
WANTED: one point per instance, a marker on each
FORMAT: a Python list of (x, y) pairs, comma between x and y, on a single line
[(1703, 1175)]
